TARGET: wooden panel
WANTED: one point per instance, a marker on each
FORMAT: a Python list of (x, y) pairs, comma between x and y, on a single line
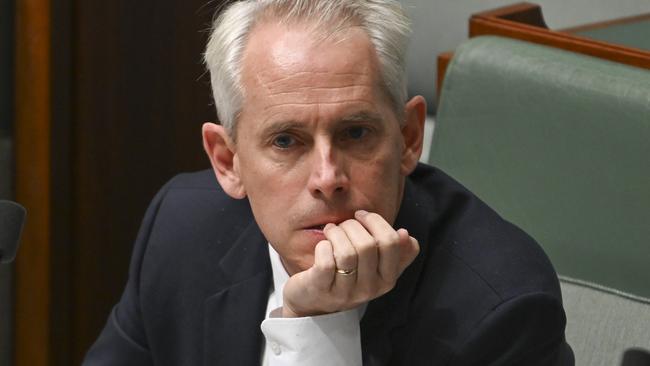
[(32, 136), (497, 22), (140, 96), (524, 12), (443, 61), (62, 310), (525, 21), (108, 107), (607, 23)]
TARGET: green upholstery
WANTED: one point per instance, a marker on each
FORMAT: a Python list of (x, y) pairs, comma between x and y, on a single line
[(559, 144), (634, 34)]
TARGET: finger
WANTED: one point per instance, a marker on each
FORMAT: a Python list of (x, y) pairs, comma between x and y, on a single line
[(345, 256), (409, 249), (324, 268), (388, 244), (366, 248), (303, 289)]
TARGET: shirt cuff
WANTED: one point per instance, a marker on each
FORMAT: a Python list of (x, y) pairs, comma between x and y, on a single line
[(331, 339)]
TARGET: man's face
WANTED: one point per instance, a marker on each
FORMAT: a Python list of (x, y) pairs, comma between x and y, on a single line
[(317, 138)]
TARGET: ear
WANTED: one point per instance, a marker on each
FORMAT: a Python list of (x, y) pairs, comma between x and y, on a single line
[(223, 156), (415, 113)]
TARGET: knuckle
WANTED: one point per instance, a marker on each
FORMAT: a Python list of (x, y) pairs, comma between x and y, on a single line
[(348, 258), (372, 290), (373, 216), (385, 290), (386, 286), (416, 249), (369, 243), (366, 246), (390, 238), (328, 266), (388, 281)]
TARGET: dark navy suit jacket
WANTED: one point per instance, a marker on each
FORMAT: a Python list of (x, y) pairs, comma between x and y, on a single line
[(481, 291)]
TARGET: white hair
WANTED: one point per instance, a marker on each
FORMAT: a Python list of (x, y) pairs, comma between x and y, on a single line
[(385, 23)]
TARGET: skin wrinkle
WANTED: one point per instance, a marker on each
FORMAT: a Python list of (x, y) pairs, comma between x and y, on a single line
[(337, 91), (262, 78), (302, 73), (308, 103), (324, 88), (322, 94), (272, 85)]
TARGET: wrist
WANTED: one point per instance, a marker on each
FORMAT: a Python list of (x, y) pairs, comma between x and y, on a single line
[(287, 312)]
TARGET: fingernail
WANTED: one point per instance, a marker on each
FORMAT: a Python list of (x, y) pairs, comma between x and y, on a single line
[(362, 213), (328, 226)]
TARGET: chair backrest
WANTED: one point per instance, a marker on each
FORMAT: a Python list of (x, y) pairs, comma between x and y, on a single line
[(603, 323), (559, 144)]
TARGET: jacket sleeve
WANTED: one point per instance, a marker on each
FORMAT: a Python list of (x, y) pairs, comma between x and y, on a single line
[(123, 340), (526, 330)]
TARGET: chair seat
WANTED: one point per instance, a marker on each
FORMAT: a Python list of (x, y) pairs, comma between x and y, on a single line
[(613, 320)]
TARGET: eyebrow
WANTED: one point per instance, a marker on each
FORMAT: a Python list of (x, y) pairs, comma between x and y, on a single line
[(282, 126), (363, 116), (288, 125)]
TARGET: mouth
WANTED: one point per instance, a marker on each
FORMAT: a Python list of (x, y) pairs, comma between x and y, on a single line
[(320, 223), (316, 227)]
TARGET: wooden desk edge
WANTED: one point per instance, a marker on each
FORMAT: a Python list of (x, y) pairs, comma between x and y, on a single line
[(525, 21), (498, 22), (442, 63)]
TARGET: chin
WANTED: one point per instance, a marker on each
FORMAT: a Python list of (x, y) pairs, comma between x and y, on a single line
[(299, 264)]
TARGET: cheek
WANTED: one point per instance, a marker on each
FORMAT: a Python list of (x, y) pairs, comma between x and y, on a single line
[(380, 181), (272, 193)]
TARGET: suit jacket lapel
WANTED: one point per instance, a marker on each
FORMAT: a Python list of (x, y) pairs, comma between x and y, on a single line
[(233, 315)]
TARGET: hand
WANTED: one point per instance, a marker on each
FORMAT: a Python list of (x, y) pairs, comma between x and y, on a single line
[(366, 243)]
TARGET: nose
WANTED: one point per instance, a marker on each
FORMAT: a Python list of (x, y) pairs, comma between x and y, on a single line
[(328, 178)]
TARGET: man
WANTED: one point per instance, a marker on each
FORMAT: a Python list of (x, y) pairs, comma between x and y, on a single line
[(324, 242)]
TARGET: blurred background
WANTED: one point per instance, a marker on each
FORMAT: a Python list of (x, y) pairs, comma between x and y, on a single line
[(101, 102)]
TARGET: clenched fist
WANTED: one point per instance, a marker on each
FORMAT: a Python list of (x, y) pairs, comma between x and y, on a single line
[(361, 259)]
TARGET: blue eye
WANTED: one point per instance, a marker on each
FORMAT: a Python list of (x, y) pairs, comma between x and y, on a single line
[(357, 132), (284, 141)]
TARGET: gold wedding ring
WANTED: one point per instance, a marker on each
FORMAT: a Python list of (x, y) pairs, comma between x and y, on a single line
[(345, 272)]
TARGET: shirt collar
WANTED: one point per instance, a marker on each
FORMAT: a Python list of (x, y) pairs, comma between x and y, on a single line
[(280, 276)]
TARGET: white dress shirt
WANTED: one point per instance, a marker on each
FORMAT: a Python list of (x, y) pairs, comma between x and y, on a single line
[(328, 340)]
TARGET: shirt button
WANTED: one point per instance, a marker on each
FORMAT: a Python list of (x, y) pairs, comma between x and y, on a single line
[(276, 348)]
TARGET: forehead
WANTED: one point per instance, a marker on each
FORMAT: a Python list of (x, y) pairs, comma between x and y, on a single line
[(290, 62)]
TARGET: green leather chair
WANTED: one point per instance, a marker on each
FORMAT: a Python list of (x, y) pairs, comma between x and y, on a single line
[(559, 144)]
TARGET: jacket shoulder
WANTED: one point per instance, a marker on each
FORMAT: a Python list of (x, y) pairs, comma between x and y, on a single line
[(203, 179), (476, 274), (497, 252)]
